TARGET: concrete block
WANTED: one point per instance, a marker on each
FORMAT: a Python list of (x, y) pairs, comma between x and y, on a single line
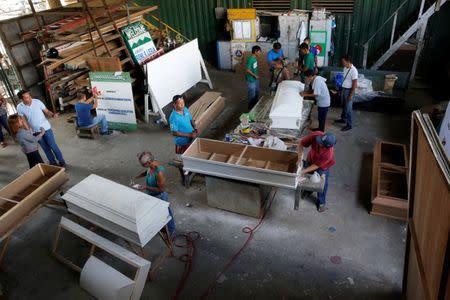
[(236, 196)]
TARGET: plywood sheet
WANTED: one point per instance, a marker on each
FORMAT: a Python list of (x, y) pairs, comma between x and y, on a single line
[(427, 268), (174, 73)]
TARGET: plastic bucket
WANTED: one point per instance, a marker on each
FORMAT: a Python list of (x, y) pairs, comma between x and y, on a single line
[(389, 82)]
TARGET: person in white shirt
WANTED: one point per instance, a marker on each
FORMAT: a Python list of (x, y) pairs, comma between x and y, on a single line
[(322, 95), (349, 86), (34, 112)]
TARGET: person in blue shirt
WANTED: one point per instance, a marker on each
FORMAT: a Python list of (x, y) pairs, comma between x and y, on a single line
[(84, 117), (182, 125), (155, 181), (274, 55)]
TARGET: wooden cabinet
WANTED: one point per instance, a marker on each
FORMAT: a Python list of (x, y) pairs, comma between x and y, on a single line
[(390, 181)]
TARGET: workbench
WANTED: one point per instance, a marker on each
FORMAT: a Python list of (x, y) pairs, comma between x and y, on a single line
[(291, 137), (262, 122)]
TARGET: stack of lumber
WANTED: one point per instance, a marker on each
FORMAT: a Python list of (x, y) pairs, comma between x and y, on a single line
[(126, 212), (390, 181), (206, 109), (80, 42)]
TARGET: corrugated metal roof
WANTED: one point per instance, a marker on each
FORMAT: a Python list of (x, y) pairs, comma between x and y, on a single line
[(335, 6)]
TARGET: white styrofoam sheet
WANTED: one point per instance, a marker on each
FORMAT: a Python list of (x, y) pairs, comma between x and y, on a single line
[(174, 73), (104, 282), (286, 110)]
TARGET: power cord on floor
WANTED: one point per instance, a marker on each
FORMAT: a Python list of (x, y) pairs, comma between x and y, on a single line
[(250, 232), (185, 241)]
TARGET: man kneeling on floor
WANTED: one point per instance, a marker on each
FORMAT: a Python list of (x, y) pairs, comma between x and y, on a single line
[(320, 159), (84, 116)]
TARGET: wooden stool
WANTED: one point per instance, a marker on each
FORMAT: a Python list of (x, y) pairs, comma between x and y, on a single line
[(91, 132)]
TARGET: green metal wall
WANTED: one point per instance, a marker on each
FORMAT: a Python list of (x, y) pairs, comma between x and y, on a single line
[(196, 18)]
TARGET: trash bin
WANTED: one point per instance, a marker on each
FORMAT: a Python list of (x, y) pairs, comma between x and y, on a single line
[(389, 82)]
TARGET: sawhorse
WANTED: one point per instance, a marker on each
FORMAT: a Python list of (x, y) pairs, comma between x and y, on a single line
[(186, 176)]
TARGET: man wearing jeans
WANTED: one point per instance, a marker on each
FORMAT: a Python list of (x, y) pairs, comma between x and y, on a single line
[(251, 74), (34, 111), (3, 121), (322, 95), (84, 117), (349, 86), (320, 159)]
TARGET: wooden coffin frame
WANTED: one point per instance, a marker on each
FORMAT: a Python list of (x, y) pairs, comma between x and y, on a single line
[(21, 198), (141, 265), (390, 181), (240, 162)]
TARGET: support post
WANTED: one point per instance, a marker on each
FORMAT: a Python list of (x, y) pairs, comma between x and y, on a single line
[(366, 53), (422, 5), (394, 24), (420, 43), (97, 28)]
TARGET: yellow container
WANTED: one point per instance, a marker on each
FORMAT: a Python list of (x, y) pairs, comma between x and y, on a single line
[(241, 13), (389, 82)]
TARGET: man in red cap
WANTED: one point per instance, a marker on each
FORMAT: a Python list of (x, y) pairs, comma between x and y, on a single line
[(320, 159)]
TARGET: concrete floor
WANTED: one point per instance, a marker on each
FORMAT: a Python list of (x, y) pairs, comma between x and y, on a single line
[(290, 256)]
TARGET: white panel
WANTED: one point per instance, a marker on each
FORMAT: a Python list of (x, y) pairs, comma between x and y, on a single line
[(104, 282), (174, 73), (287, 106)]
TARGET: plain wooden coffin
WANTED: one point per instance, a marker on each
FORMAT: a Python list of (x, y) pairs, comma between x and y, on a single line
[(31, 189), (241, 162)]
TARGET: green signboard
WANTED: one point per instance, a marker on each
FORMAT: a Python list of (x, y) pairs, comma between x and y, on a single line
[(115, 99), (139, 42)]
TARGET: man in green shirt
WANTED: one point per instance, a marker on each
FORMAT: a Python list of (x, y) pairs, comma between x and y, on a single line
[(251, 74), (308, 60)]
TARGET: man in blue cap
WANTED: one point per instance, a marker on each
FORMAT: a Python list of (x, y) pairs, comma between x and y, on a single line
[(320, 159)]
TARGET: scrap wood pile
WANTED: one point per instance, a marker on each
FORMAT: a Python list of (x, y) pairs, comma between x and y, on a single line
[(85, 39)]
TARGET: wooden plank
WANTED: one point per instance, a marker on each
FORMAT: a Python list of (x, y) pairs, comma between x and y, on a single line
[(208, 116), (98, 45), (430, 200), (103, 243), (104, 64)]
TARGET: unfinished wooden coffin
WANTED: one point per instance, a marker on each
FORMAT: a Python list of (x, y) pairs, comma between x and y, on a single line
[(241, 162), (390, 181), (30, 190), (286, 111), (126, 212)]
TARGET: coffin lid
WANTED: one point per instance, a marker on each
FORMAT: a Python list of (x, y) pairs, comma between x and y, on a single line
[(288, 102), (117, 203)]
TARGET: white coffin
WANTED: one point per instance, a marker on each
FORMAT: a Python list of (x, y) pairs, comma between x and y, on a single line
[(128, 213), (286, 111)]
